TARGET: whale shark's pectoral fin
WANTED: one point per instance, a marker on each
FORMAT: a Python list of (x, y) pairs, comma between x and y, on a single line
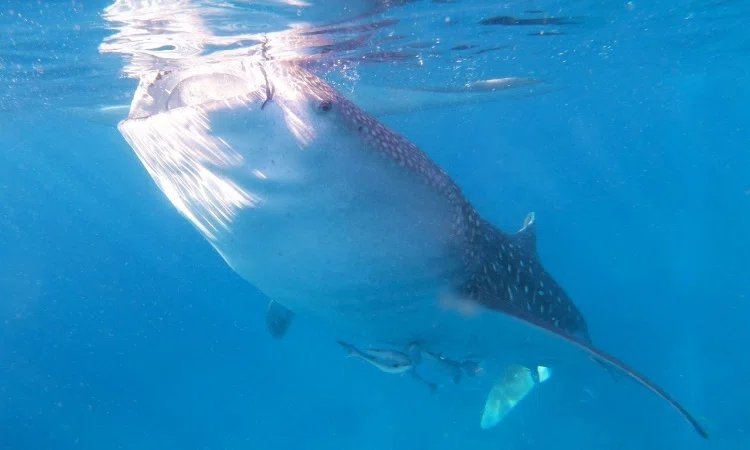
[(278, 319)]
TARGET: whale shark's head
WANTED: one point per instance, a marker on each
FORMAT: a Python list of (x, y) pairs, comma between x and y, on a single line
[(266, 92), (208, 134)]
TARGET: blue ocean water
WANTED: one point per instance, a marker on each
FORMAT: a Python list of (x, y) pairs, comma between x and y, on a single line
[(121, 328)]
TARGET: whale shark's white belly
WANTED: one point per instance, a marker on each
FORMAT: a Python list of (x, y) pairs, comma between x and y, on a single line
[(336, 229)]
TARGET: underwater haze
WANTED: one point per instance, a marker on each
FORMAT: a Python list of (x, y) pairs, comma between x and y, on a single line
[(621, 125)]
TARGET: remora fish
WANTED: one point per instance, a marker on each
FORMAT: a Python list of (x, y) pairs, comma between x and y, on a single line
[(330, 213), (389, 361)]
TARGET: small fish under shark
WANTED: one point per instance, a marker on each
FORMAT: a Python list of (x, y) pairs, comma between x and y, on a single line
[(333, 215), (388, 361)]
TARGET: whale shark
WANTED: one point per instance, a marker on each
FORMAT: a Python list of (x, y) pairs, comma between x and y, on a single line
[(333, 215)]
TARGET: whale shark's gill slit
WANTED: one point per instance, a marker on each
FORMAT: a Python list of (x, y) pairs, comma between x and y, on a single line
[(602, 357)]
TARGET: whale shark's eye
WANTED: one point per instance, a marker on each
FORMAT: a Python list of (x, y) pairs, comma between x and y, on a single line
[(325, 105)]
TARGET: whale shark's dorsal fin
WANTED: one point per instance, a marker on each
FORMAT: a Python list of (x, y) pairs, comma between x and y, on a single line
[(278, 319), (526, 236)]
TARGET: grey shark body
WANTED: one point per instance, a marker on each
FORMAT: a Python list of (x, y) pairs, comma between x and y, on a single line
[(331, 214)]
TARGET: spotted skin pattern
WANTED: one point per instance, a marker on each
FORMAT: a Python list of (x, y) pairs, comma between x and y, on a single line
[(501, 271)]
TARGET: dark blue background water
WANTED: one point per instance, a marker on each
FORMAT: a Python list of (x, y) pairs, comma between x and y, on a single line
[(121, 328)]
